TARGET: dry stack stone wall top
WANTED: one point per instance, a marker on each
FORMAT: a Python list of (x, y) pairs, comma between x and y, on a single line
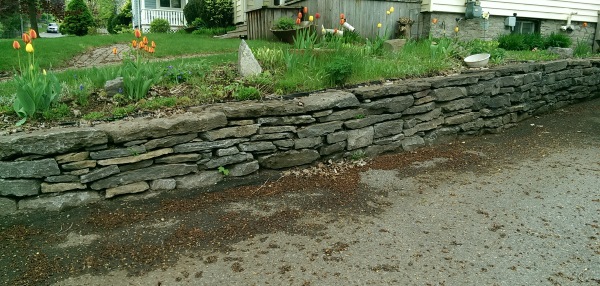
[(57, 168)]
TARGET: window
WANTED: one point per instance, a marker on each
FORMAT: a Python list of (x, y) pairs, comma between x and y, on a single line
[(527, 27), (170, 3)]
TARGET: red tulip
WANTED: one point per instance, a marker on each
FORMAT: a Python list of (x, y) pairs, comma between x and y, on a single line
[(305, 10), (16, 45), (298, 21), (317, 15), (342, 16), (342, 21), (299, 15), (137, 33), (26, 38)]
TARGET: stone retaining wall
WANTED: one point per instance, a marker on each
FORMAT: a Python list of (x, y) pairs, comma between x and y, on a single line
[(63, 167)]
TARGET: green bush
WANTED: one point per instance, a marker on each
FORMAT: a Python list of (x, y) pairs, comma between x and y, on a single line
[(339, 70), (533, 41), (247, 93), (512, 42), (123, 19), (582, 49), (77, 20), (159, 25), (558, 40), (213, 13), (192, 10), (284, 23)]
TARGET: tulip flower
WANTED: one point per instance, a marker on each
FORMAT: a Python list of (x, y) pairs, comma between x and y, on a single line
[(299, 15), (114, 50), (317, 15), (388, 12), (153, 44), (378, 25), (44, 71), (298, 21), (456, 29), (391, 9), (32, 34), (29, 48), (145, 39), (585, 24), (342, 16), (26, 38), (137, 33), (434, 21), (305, 10), (342, 21), (310, 18), (134, 44), (16, 45)]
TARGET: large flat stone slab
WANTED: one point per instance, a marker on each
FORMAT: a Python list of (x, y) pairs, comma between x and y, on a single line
[(289, 159), (29, 169), (56, 203), (150, 173), (19, 188)]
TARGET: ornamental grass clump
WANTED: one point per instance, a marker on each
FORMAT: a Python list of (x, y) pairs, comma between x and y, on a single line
[(138, 75), (36, 89)]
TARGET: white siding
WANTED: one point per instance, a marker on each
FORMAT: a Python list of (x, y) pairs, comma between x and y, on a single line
[(587, 10)]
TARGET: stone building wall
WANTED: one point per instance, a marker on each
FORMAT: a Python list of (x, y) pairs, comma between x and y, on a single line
[(64, 167), (470, 29)]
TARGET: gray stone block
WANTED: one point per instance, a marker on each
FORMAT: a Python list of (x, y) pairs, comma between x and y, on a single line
[(227, 151), (309, 142), (206, 145), (412, 143), (243, 169), (127, 189), (72, 157), (29, 169), (50, 141), (169, 141), (388, 128), (247, 63), (99, 174), (117, 153), (19, 188), (179, 158), (230, 132), (319, 129), (360, 138), (199, 180), (163, 184), (61, 187), (150, 173), (62, 179), (257, 146), (7, 206), (228, 160), (449, 93), (289, 159), (56, 203)]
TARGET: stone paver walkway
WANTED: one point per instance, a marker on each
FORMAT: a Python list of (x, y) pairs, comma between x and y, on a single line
[(100, 56)]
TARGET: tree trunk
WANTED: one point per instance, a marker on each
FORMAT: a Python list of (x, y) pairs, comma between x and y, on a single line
[(32, 12)]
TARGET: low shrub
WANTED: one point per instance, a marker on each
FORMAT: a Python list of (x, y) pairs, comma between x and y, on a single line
[(558, 40), (159, 25), (339, 70), (246, 93)]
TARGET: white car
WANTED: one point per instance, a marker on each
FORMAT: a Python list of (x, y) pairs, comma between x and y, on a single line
[(52, 28)]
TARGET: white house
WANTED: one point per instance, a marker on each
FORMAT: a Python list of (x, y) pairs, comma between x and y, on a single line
[(144, 11)]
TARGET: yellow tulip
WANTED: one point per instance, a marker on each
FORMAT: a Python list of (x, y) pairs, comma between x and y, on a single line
[(388, 12), (391, 9), (456, 29), (311, 18), (378, 25), (44, 71), (29, 48)]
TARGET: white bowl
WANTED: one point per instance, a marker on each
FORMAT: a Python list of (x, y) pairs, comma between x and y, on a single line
[(477, 60)]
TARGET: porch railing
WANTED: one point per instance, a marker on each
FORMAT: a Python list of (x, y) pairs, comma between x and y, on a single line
[(175, 18)]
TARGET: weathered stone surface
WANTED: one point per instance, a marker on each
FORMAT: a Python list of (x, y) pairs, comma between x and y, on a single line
[(554, 66), (257, 146), (388, 128), (423, 100), (360, 138), (29, 169), (322, 113), (389, 105), (289, 159), (163, 184), (135, 143), (61, 187), (427, 116), (79, 165), (19, 188), (114, 86), (276, 129), (52, 141), (99, 174), (563, 53), (370, 120), (142, 128), (229, 132), (169, 141), (150, 173), (333, 148), (117, 153), (313, 102), (135, 159), (337, 137), (7, 206), (243, 169), (227, 151), (412, 143), (375, 150), (199, 180), (461, 118), (72, 157), (319, 129), (344, 114), (309, 142), (247, 64), (420, 108), (272, 136), (424, 126), (179, 158), (402, 87), (62, 179), (286, 120), (56, 203), (206, 145), (127, 189), (284, 143), (394, 139), (77, 172), (459, 104), (135, 166), (394, 45), (462, 79), (449, 93), (228, 160)]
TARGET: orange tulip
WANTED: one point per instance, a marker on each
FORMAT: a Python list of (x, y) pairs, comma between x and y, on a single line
[(26, 38), (434, 21), (134, 44), (585, 24), (137, 33), (145, 39), (342, 16), (298, 21), (342, 21), (299, 15), (114, 50), (146, 48), (317, 15), (335, 31), (305, 10), (16, 45), (153, 44), (152, 50), (32, 34)]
